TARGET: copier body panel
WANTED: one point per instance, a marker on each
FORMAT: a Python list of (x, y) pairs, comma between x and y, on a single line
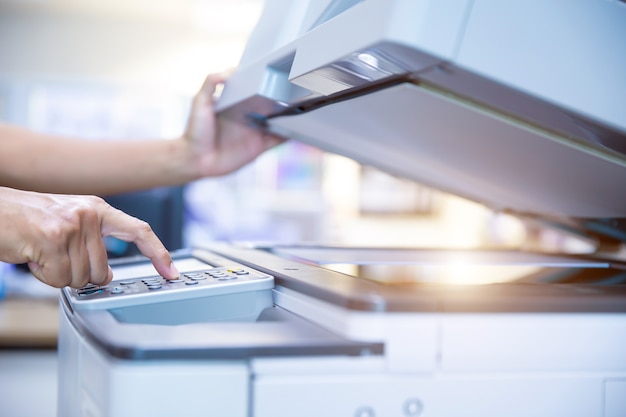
[(323, 342)]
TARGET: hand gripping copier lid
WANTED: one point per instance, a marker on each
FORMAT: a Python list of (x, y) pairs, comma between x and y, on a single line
[(518, 105)]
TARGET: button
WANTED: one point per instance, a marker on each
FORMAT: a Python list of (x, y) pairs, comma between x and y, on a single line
[(174, 281), (197, 278), (365, 412), (154, 286), (117, 290), (413, 407), (89, 291), (126, 282), (241, 272), (226, 278), (191, 282)]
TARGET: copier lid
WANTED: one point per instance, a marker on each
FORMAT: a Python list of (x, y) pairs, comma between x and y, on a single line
[(521, 107)]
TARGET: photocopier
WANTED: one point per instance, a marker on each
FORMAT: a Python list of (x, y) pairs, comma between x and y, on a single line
[(517, 105)]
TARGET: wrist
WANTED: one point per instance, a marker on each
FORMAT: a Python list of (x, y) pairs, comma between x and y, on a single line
[(189, 162)]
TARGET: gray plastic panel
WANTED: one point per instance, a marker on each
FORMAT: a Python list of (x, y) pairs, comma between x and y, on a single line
[(435, 139), (227, 325), (535, 293), (275, 332)]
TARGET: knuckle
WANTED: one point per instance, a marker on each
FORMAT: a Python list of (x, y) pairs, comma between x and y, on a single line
[(88, 205), (95, 201), (60, 230), (72, 217), (144, 228)]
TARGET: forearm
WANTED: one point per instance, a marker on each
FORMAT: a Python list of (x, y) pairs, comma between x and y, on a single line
[(209, 146), (39, 162)]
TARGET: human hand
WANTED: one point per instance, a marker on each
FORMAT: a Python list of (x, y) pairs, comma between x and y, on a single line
[(60, 237), (220, 146)]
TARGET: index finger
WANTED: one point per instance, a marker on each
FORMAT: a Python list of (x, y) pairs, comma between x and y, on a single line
[(209, 86), (120, 225)]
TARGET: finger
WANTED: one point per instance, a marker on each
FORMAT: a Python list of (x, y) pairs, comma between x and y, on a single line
[(57, 273), (86, 251), (77, 252), (50, 259), (79, 263), (95, 253), (209, 86), (130, 229)]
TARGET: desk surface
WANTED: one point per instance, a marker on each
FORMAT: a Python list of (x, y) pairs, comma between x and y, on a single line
[(29, 311), (29, 322)]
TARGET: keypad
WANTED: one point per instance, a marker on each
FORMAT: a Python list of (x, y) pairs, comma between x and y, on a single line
[(210, 277)]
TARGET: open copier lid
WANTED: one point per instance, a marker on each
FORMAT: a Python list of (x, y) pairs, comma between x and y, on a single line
[(519, 106)]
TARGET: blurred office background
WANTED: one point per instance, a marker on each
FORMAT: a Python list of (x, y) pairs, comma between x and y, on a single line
[(128, 69)]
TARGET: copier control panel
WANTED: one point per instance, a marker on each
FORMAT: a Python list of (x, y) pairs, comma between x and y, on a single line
[(197, 280)]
